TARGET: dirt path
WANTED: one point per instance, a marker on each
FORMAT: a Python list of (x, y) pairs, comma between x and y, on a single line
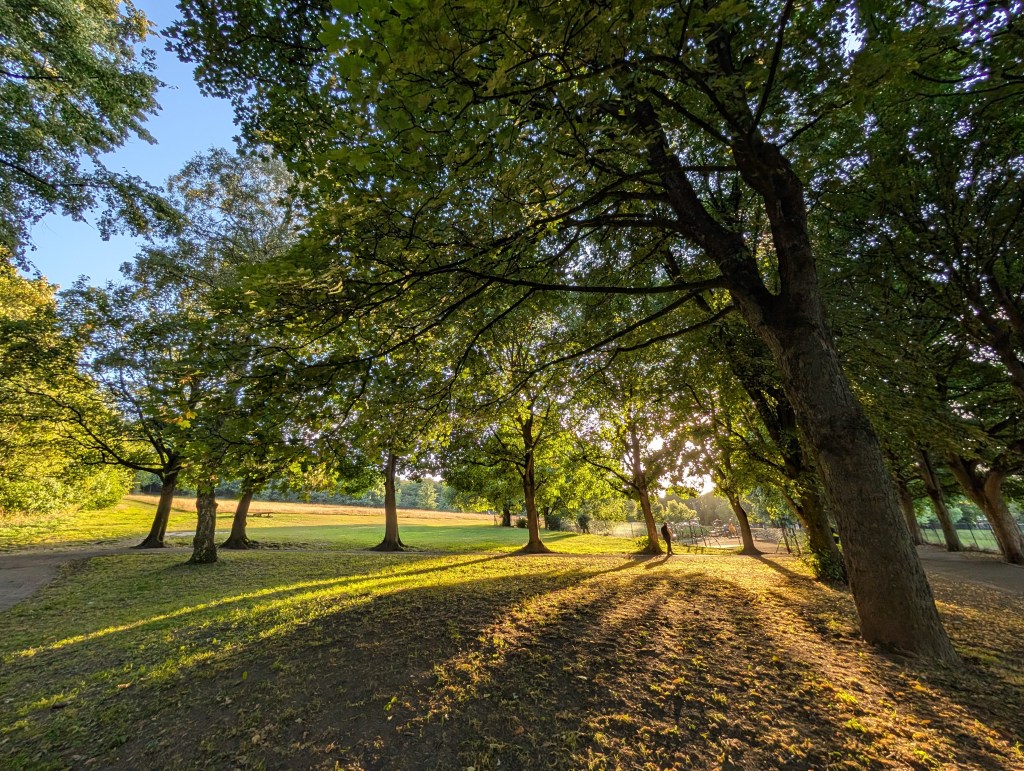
[(25, 572)]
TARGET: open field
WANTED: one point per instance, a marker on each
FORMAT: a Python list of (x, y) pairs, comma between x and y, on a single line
[(284, 659), (292, 525)]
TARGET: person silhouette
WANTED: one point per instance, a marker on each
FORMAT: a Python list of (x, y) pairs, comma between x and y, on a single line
[(667, 535)]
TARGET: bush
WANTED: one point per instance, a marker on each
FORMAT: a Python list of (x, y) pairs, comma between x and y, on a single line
[(825, 567), (553, 521), (583, 522), (521, 522)]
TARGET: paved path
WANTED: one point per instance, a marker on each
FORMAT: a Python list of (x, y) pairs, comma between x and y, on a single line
[(977, 567), (22, 573)]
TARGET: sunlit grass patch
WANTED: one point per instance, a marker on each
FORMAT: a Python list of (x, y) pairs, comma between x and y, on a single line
[(285, 658), (294, 525)]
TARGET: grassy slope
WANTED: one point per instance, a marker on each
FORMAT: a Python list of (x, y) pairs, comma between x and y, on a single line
[(302, 659), (292, 525)]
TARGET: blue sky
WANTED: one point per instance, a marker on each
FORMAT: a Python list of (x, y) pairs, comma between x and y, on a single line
[(187, 123)]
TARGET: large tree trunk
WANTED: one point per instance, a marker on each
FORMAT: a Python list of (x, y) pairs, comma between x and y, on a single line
[(986, 491), (745, 534), (534, 545), (643, 495), (893, 599), (391, 541), (155, 539), (204, 546), (506, 515), (238, 538), (894, 602), (934, 491), (909, 514)]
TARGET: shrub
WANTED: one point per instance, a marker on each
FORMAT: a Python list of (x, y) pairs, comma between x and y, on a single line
[(521, 522)]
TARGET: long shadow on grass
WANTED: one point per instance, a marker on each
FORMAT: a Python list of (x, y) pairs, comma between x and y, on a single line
[(216, 607), (565, 667), (543, 671), (987, 687)]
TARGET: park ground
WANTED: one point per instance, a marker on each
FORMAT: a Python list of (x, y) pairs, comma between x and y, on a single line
[(314, 653)]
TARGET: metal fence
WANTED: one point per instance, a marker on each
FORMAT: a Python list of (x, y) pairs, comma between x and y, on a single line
[(976, 537)]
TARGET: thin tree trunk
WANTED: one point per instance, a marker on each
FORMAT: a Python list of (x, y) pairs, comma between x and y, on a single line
[(643, 495), (391, 540), (238, 538), (909, 514), (155, 539), (534, 545), (828, 560), (986, 491), (934, 491), (506, 515), (204, 546), (745, 534)]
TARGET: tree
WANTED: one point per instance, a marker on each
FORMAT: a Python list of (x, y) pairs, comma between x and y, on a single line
[(938, 200), (42, 464), (236, 214), (629, 429), (130, 348), (499, 161), (480, 478), (515, 408), (72, 87)]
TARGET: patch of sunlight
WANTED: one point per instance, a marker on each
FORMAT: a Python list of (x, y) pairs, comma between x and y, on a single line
[(357, 582)]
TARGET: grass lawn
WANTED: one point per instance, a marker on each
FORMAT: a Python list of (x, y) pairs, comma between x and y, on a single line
[(292, 525), (303, 659)]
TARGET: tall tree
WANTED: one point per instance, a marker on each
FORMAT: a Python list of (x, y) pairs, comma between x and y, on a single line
[(628, 427), (485, 148), (43, 464), (73, 86)]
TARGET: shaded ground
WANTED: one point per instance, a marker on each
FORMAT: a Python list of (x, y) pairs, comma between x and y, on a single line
[(23, 573), (495, 662)]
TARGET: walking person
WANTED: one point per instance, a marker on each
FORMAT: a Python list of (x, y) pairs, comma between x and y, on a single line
[(667, 535)]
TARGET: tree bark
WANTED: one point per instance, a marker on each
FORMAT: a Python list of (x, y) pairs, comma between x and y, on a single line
[(204, 546), (643, 495), (534, 545), (909, 514), (934, 491), (155, 539), (894, 602), (986, 491), (391, 541), (745, 534), (506, 515), (238, 538)]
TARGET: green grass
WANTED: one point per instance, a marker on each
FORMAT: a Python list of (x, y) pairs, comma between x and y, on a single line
[(973, 539), (278, 658), (293, 525), (131, 518)]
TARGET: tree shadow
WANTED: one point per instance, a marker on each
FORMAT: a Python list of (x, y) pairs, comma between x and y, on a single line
[(557, 663)]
